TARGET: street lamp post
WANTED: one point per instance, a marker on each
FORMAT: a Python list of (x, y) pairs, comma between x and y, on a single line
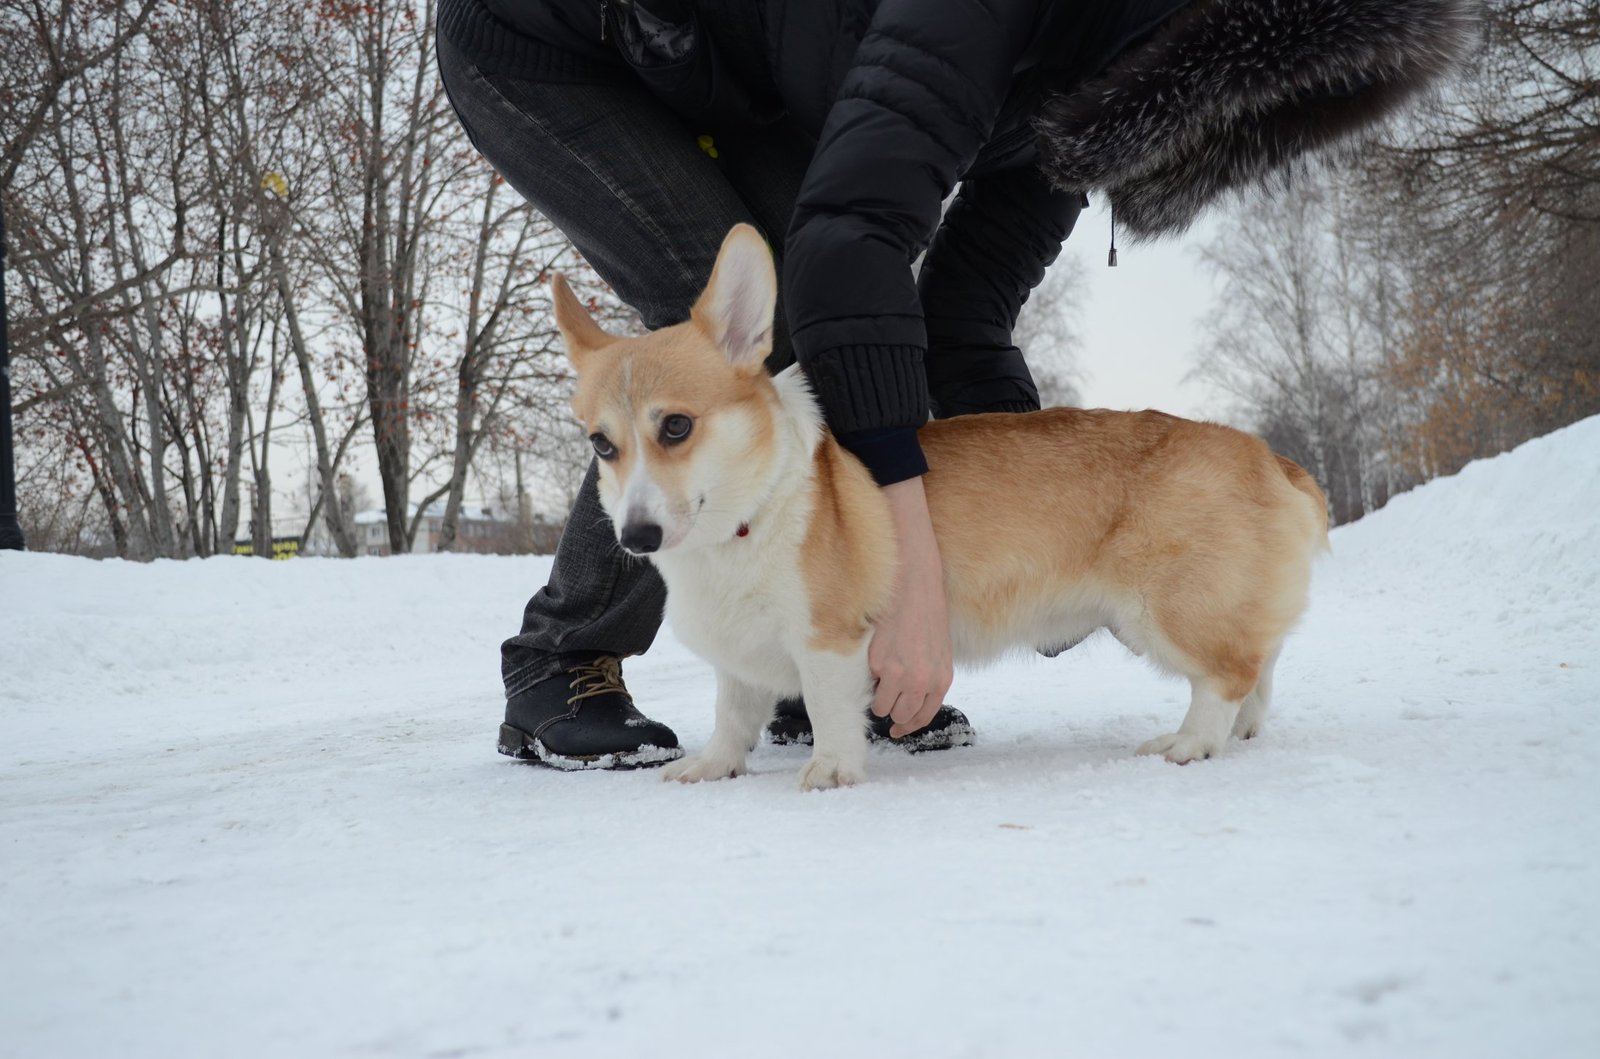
[(10, 531)]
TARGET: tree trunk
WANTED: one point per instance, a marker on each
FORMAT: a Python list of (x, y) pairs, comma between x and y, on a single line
[(338, 525), (236, 372)]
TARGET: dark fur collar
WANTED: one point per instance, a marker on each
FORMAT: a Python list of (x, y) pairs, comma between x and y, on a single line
[(1228, 91)]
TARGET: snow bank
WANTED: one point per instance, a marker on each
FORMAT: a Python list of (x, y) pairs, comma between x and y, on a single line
[(253, 808), (1526, 520)]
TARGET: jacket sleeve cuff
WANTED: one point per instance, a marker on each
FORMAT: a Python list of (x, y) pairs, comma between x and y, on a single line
[(891, 456), (869, 387)]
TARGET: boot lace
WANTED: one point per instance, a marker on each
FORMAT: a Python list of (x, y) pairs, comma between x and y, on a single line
[(600, 677)]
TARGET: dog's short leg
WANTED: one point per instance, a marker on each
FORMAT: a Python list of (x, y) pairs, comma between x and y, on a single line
[(742, 711), (1253, 712), (838, 689), (1204, 730)]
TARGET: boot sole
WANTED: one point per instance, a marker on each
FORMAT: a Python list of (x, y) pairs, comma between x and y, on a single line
[(514, 742)]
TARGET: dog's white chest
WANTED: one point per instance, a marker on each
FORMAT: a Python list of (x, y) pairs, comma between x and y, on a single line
[(740, 613)]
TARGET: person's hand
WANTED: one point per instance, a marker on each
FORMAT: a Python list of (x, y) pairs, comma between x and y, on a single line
[(910, 650)]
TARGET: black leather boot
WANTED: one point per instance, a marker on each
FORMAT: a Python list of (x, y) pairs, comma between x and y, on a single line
[(584, 718), (949, 727)]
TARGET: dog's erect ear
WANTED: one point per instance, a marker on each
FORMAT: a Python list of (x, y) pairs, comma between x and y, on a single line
[(578, 329), (737, 306)]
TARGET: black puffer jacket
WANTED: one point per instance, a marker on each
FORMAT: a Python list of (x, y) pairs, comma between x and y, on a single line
[(1161, 104), (921, 96)]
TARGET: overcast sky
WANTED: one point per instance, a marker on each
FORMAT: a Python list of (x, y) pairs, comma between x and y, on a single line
[(1140, 321)]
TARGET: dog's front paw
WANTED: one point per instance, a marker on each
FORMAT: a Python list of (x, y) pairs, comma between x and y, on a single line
[(1181, 748), (824, 772), (703, 767)]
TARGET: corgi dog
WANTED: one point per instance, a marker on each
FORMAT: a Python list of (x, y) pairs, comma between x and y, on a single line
[(1191, 542)]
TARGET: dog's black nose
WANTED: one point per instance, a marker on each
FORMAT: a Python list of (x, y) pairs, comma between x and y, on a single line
[(641, 537)]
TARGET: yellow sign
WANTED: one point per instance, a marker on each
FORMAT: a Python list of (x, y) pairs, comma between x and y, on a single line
[(282, 547)]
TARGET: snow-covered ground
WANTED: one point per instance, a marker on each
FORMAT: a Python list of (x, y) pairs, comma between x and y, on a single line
[(253, 808)]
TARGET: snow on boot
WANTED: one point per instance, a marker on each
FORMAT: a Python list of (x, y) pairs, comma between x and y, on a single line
[(791, 727)]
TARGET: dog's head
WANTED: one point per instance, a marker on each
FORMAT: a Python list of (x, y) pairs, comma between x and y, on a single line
[(682, 419)]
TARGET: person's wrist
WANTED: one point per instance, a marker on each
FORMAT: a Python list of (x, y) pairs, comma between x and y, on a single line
[(908, 508), (908, 503), (909, 491)]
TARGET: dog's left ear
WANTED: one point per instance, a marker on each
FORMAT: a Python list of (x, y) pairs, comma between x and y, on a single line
[(578, 329), (737, 307)]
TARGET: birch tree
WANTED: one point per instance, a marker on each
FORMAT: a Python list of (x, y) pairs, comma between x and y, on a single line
[(1296, 338)]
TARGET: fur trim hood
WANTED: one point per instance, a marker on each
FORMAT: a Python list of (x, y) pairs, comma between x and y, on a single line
[(1227, 92)]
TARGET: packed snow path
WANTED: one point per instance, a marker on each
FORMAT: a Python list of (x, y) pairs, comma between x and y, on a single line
[(253, 808)]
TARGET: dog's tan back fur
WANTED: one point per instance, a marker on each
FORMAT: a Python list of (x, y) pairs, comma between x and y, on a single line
[(1199, 524)]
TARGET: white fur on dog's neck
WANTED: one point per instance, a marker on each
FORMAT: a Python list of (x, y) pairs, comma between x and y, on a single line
[(800, 407), (799, 434)]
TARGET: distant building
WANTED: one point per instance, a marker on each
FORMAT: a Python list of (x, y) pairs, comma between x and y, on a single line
[(478, 529)]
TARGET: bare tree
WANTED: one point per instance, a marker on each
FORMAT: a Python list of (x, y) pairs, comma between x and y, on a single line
[(237, 225), (147, 302), (509, 359), (1498, 189), (1520, 136), (44, 49), (99, 242), (385, 118), (1298, 337), (248, 100)]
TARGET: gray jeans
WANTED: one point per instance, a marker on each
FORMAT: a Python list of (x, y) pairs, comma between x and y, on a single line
[(626, 181)]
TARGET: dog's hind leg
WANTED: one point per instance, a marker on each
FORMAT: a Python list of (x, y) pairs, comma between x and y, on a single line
[(742, 711), (837, 690), (1253, 711), (1205, 727)]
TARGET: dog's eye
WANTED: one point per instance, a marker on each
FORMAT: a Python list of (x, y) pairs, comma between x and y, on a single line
[(603, 447), (675, 428)]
